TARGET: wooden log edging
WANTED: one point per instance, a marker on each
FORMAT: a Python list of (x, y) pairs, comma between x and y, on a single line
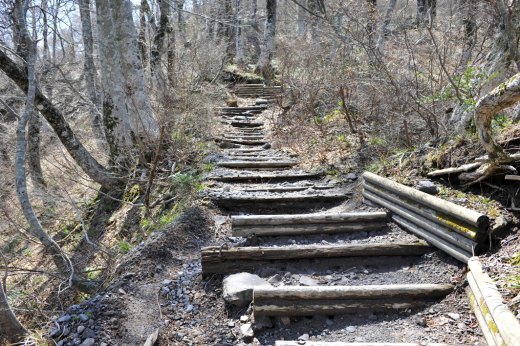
[(454, 229), (497, 322)]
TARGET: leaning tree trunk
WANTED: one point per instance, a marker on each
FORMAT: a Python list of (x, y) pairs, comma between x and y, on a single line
[(12, 330), (264, 61), (90, 67)]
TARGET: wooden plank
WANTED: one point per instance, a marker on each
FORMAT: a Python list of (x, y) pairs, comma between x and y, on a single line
[(276, 200), (339, 343), (482, 312), (334, 307), (483, 324), (308, 218), (279, 230), (351, 292), (512, 177), (242, 141)]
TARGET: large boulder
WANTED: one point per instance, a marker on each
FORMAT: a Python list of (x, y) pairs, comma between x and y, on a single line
[(238, 288)]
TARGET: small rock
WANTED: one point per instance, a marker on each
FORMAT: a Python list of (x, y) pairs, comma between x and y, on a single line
[(231, 324), (421, 321), (246, 332), (88, 342), (64, 318), (238, 288), (454, 316), (360, 339), (516, 300), (350, 329), (55, 333), (80, 329), (121, 291), (329, 322), (167, 282), (275, 279), (351, 176), (428, 187), (285, 320), (244, 318), (189, 308), (372, 317), (304, 337), (263, 322), (83, 317), (308, 281)]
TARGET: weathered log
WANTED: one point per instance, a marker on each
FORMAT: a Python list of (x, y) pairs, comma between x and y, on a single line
[(445, 246), (244, 123), (491, 300), (309, 293), (387, 201), (457, 212), (483, 324), (485, 158), (277, 200), (256, 164), (339, 343), (453, 170), (333, 307), (276, 189), (512, 177), (242, 142), (308, 218), (293, 229), (241, 109), (266, 177), (215, 254)]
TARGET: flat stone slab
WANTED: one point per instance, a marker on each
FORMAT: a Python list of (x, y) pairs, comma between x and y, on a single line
[(238, 288)]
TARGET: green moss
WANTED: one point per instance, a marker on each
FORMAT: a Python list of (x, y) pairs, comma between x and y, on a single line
[(132, 194)]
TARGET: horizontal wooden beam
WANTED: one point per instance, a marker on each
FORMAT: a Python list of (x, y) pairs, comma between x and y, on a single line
[(265, 177), (339, 343), (308, 218), (256, 164), (215, 259), (309, 293), (304, 229)]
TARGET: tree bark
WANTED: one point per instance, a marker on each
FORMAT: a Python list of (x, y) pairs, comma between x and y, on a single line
[(12, 330), (144, 10), (469, 10), (90, 67), (158, 41), (129, 119), (239, 34), (264, 61)]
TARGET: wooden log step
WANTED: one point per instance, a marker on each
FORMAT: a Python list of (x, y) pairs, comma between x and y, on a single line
[(243, 220), (243, 141), (241, 109), (277, 225), (244, 123), (215, 259), (244, 137), (276, 200), (265, 177), (288, 293), (335, 307), (256, 164), (339, 343)]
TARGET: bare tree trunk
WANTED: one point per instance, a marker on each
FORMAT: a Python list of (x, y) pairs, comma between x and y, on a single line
[(371, 30), (380, 46), (144, 10), (90, 68), (12, 330), (171, 59), (46, 52), (264, 61), (158, 41), (33, 161), (179, 4), (469, 10), (239, 39), (128, 115), (224, 27), (62, 262), (301, 24), (254, 34)]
